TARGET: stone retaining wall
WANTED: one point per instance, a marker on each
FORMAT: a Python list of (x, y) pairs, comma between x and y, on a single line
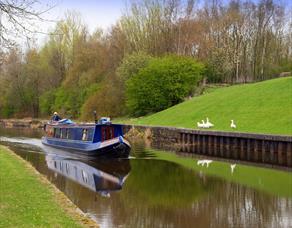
[(22, 123)]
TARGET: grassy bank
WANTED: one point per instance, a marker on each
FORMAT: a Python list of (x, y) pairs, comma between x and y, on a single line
[(28, 200), (264, 107)]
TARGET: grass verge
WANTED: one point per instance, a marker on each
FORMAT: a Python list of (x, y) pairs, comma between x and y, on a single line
[(28, 199)]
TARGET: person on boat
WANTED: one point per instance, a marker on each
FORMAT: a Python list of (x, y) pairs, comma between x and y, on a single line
[(56, 117)]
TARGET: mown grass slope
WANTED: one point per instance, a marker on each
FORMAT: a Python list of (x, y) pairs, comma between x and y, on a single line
[(263, 107)]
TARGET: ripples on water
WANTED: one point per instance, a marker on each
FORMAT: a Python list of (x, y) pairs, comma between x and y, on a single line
[(170, 192)]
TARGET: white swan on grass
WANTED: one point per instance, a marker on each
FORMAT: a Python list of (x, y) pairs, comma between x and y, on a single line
[(200, 125), (204, 124), (209, 124), (232, 125)]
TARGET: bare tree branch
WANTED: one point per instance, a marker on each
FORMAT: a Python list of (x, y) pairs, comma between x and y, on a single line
[(18, 18)]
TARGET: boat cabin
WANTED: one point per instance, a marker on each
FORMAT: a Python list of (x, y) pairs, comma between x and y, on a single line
[(87, 132)]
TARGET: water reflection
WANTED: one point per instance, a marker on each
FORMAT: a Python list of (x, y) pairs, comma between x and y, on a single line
[(102, 176), (160, 193)]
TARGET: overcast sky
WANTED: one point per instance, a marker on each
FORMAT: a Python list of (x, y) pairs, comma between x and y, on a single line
[(102, 13), (95, 13)]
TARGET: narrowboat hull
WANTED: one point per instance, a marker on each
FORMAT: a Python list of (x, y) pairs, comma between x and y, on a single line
[(117, 147)]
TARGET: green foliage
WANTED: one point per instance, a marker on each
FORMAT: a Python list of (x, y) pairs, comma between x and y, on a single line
[(132, 64), (263, 107), (164, 82), (47, 101), (7, 111)]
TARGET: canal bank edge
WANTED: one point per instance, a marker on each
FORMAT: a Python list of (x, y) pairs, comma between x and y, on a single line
[(275, 150), (264, 149), (59, 197)]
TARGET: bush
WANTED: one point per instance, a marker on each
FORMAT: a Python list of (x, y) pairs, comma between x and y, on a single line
[(164, 82)]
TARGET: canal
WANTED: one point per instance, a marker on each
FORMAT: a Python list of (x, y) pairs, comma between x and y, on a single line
[(156, 188)]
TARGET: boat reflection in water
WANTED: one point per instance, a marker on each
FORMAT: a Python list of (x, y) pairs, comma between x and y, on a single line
[(102, 176)]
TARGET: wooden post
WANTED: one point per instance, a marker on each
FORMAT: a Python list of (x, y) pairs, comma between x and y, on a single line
[(221, 146), (248, 150), (242, 150), (210, 143), (281, 160), (227, 148), (289, 154), (236, 148), (273, 151), (255, 156), (215, 145), (204, 143), (264, 159)]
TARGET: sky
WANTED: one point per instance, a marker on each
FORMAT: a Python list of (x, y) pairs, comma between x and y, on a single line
[(94, 13), (101, 13)]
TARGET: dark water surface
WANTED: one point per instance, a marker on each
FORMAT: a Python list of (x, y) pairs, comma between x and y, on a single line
[(159, 189)]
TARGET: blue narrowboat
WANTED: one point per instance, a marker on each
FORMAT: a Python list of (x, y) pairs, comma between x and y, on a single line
[(100, 139)]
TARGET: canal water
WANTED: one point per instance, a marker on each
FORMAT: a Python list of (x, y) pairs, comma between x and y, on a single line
[(157, 188)]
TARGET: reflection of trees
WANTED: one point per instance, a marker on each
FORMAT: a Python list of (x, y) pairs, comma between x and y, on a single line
[(160, 183)]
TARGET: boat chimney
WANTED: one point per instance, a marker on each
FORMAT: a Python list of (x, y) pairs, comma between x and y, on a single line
[(95, 117)]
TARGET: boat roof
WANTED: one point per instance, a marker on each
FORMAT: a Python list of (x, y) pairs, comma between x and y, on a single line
[(82, 125)]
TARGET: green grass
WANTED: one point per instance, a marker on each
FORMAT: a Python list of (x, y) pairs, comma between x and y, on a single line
[(271, 181), (24, 200), (264, 107)]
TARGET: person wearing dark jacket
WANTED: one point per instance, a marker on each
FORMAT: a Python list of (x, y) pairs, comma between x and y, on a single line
[(56, 117)]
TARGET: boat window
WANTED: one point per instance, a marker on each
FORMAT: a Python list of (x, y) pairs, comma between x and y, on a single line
[(87, 134), (84, 134), (90, 134), (67, 133), (64, 133), (57, 132)]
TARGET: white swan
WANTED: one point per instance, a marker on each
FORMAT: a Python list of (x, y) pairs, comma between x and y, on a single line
[(204, 125), (232, 125), (232, 166), (209, 124), (200, 125)]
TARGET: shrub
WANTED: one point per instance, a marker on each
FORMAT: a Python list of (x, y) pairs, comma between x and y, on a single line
[(164, 82)]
